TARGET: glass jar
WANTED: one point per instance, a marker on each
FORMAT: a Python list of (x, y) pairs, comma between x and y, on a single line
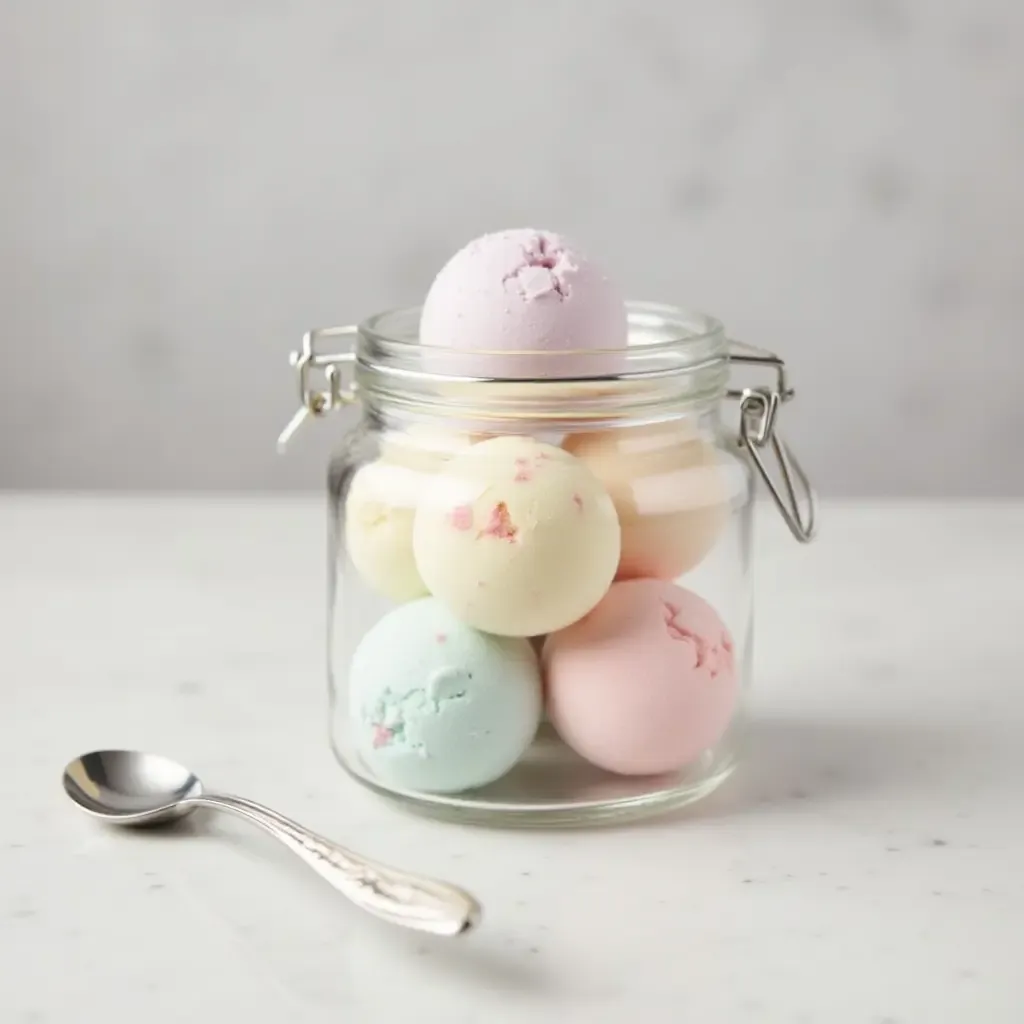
[(540, 604)]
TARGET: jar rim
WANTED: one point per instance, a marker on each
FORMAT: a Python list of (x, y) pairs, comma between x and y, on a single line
[(390, 340), (675, 358)]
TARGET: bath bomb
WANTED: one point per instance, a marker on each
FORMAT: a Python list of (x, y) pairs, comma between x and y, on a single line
[(670, 493), (523, 304), (516, 536), (437, 706), (646, 682), (381, 503), (379, 512)]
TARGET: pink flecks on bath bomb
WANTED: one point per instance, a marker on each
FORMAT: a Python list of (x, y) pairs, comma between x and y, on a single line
[(646, 682), (382, 736), (500, 524), (523, 304), (714, 658), (462, 517)]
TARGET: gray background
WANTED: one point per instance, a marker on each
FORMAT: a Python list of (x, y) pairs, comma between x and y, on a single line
[(185, 187)]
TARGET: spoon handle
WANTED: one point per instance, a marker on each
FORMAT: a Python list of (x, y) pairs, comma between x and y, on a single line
[(399, 897)]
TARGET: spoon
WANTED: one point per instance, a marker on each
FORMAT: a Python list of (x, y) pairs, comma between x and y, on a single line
[(125, 787)]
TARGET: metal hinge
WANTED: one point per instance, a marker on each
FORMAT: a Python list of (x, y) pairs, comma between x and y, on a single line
[(335, 368), (759, 408)]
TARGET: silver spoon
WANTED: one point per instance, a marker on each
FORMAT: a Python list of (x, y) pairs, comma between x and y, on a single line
[(128, 788)]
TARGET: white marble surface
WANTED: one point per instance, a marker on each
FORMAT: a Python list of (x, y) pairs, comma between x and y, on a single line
[(865, 868), (187, 187)]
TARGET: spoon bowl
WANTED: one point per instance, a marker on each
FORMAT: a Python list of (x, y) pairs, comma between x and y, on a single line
[(127, 787)]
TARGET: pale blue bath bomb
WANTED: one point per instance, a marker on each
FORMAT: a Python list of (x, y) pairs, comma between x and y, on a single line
[(438, 706)]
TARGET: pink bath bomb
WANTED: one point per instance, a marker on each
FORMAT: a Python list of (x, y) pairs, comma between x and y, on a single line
[(523, 304), (646, 682)]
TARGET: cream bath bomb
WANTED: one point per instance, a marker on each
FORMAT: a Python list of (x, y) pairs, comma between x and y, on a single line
[(381, 504), (670, 493), (517, 537), (646, 682), (523, 304), (379, 512)]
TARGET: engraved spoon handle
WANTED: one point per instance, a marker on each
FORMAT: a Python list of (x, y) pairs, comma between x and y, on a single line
[(400, 897)]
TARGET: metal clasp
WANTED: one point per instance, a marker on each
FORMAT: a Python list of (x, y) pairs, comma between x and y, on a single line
[(759, 408), (314, 400)]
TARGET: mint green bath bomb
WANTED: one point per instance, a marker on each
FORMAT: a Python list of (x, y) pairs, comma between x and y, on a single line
[(438, 706)]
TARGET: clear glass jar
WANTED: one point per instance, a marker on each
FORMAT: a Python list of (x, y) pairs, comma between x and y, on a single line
[(540, 592)]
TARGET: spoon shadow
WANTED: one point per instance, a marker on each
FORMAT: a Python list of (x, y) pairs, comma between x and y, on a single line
[(481, 961), (192, 825)]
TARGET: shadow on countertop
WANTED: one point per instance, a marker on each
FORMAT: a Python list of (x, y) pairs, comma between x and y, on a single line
[(815, 761)]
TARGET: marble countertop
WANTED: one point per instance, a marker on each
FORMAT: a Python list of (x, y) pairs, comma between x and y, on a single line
[(864, 868)]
